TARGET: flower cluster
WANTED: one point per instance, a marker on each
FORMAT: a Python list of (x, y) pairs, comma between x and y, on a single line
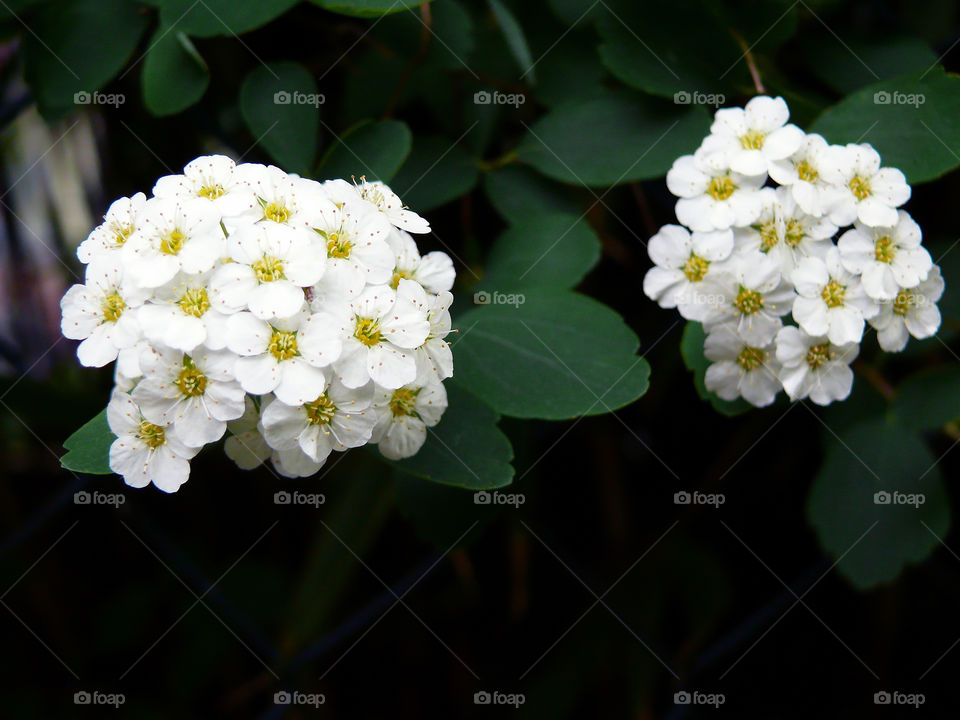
[(297, 315), (777, 223)]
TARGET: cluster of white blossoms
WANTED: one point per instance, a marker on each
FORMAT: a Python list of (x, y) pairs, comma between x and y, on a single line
[(778, 223), (296, 315)]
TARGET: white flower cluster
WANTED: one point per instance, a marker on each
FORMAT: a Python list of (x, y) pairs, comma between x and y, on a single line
[(766, 213), (298, 314)]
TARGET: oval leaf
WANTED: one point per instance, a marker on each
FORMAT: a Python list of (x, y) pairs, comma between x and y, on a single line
[(374, 150), (88, 449)]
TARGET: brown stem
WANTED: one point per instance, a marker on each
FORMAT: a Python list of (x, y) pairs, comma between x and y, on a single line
[(876, 380), (751, 63)]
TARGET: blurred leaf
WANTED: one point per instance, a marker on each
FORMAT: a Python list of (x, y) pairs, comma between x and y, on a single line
[(516, 40), (60, 61), (691, 348), (517, 192), (929, 399), (207, 18), (575, 12), (372, 149), (436, 172), (629, 138), (466, 449), (570, 71), (873, 540), (367, 8), (851, 66), (174, 75), (553, 355), (88, 449), (272, 101), (449, 37), (922, 139), (761, 24), (441, 514), (554, 250)]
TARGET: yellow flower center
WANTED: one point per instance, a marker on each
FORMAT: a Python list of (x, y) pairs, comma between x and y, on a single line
[(402, 402), (818, 355), (320, 411), (903, 302), (721, 188), (276, 212), (833, 294), (338, 246), (121, 233), (768, 236), (211, 192), (367, 331), (268, 269), (112, 307), (752, 140), (191, 382), (750, 358), (194, 302), (884, 249), (794, 233), (399, 275), (806, 172), (172, 242), (283, 345), (860, 187), (748, 302), (150, 435), (695, 268)]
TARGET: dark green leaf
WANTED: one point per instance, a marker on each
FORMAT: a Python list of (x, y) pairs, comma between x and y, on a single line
[(517, 193), (220, 17), (691, 347), (873, 540), (436, 172), (553, 355), (88, 449), (375, 150), (174, 75), (367, 8), (516, 41), (930, 399), (846, 67)]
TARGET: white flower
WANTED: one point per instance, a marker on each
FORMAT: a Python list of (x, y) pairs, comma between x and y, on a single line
[(831, 301), (434, 358), (196, 393), (284, 199), (681, 264), (862, 189), (784, 232), (144, 452), (752, 138), (378, 330), (382, 198), (180, 315), (336, 419), (272, 264), (403, 416), (294, 463), (102, 313), (889, 258), (912, 312), (739, 369), (355, 239), (434, 270), (172, 236), (712, 197), (814, 367), (272, 358), (802, 172), (118, 225), (750, 294), (245, 445), (215, 179)]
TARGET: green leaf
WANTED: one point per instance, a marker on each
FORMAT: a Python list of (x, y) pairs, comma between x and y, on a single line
[(367, 8), (88, 449), (220, 17), (466, 449), (517, 192), (279, 105), (877, 455), (929, 399), (375, 150), (574, 12), (554, 250), (436, 172), (77, 46), (570, 71), (916, 130), (174, 75), (851, 66), (441, 514), (516, 40), (691, 348), (552, 355), (615, 139)]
